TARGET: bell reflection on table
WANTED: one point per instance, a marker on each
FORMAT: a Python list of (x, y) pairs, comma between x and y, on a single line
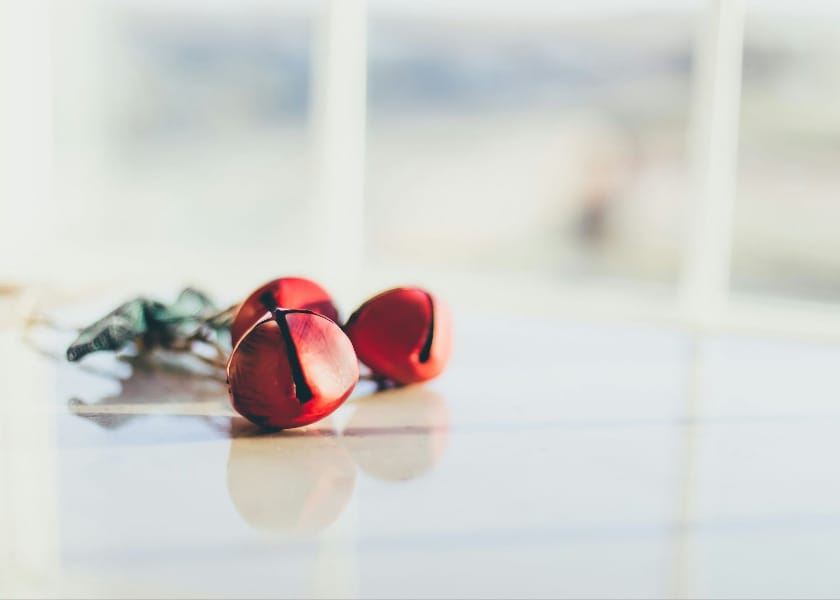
[(293, 484), (398, 434)]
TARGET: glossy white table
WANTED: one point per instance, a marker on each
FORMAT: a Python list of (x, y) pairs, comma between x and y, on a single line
[(553, 459)]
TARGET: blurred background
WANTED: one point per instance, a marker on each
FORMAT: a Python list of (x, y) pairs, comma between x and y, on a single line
[(534, 144), (657, 160)]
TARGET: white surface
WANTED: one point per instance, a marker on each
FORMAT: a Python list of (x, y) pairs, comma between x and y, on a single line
[(553, 459)]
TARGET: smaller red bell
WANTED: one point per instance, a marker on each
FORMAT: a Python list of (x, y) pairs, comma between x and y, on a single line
[(404, 334)]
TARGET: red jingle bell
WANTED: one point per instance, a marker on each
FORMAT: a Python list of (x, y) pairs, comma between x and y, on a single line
[(291, 369), (285, 292), (404, 334)]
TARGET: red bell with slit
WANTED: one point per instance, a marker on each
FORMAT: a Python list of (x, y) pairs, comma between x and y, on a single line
[(403, 334)]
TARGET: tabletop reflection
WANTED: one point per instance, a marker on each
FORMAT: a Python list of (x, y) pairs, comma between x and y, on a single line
[(292, 484), (398, 434), (150, 387)]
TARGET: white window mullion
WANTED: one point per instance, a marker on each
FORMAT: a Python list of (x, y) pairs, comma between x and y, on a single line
[(338, 122), (714, 149), (26, 138)]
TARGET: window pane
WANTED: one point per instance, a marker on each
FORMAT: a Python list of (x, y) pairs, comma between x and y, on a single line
[(181, 134), (786, 234), (534, 137)]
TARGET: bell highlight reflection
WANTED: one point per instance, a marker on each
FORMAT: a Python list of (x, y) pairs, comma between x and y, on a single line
[(399, 434), (292, 484)]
